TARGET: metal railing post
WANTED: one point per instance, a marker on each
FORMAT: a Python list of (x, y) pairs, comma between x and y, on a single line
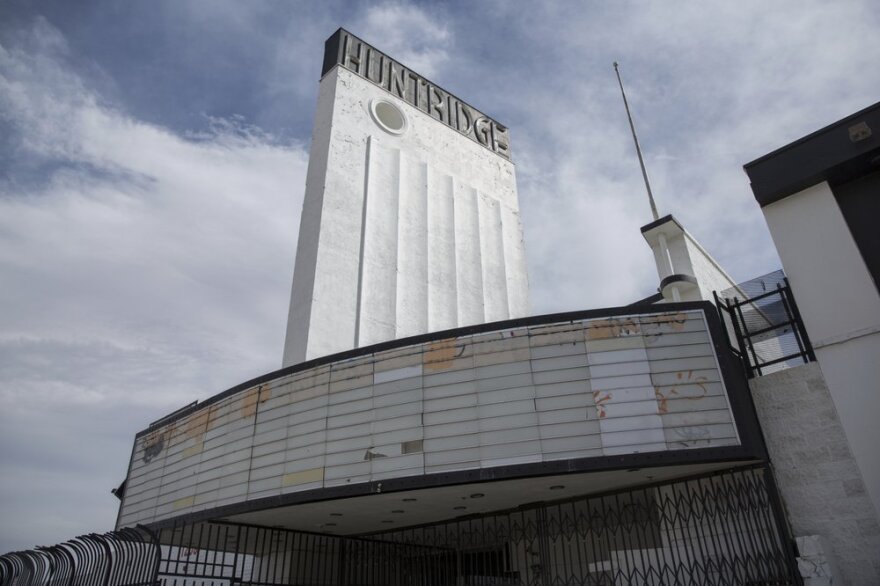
[(795, 326), (802, 328), (738, 324)]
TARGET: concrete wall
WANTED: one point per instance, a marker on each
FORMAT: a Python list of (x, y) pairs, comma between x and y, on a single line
[(821, 486), (686, 256), (841, 311), (709, 274), (597, 387), (400, 234), (683, 255)]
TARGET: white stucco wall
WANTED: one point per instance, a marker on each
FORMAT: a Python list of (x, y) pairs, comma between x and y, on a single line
[(686, 257), (400, 234), (709, 274), (840, 307)]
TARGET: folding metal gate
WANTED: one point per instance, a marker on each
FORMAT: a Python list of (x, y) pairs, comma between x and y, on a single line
[(717, 529)]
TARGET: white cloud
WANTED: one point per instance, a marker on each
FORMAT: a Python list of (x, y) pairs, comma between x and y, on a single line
[(143, 270), (409, 34), (711, 86)]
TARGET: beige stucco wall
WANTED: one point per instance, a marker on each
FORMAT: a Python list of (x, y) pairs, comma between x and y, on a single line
[(820, 483)]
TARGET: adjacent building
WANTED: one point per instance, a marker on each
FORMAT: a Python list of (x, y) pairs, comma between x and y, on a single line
[(821, 198)]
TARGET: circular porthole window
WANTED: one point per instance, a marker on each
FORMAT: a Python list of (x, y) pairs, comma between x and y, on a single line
[(388, 116)]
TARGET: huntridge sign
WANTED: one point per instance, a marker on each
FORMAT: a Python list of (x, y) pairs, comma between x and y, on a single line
[(345, 49)]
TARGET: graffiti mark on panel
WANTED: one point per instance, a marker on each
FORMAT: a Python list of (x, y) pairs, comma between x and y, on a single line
[(662, 399), (153, 445), (691, 436), (441, 355), (603, 329), (679, 391), (654, 327), (699, 381), (601, 402)]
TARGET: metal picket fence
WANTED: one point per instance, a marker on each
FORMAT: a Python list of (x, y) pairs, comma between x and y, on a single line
[(129, 557)]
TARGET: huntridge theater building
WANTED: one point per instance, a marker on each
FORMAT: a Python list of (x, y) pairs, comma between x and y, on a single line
[(425, 429)]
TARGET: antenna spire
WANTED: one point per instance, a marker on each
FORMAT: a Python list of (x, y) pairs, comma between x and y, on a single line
[(638, 148)]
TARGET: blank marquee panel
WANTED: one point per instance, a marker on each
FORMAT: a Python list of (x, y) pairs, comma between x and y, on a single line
[(587, 388)]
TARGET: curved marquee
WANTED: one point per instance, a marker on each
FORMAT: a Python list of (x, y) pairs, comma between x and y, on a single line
[(528, 392)]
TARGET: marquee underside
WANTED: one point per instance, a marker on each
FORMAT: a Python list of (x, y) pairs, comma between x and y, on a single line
[(388, 511)]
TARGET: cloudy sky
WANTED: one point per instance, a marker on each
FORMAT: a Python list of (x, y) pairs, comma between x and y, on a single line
[(152, 162)]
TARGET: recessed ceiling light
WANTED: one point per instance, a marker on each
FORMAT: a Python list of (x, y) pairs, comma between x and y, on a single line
[(459, 508), (397, 511), (477, 495), (410, 500), (557, 487)]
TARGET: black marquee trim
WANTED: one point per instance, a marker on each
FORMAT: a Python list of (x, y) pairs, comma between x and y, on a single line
[(659, 222), (677, 278)]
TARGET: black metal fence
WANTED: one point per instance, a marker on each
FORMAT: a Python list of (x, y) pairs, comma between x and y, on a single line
[(129, 557), (217, 554), (721, 528), (764, 325)]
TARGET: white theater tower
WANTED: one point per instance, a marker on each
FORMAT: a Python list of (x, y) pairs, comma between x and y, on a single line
[(410, 222)]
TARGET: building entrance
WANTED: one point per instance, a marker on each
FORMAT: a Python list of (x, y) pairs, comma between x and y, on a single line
[(721, 528)]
